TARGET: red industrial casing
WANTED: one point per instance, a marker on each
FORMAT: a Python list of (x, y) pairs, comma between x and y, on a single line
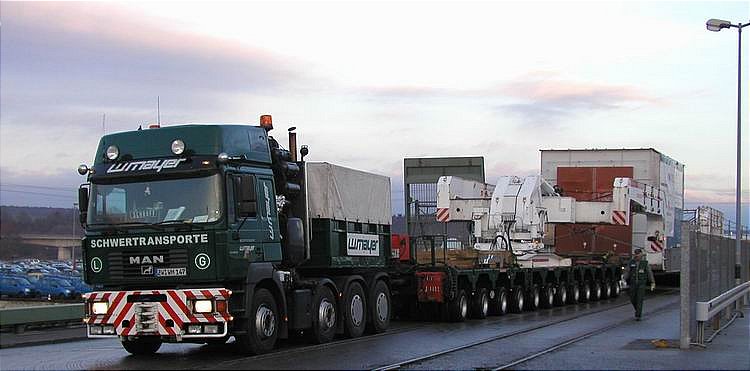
[(592, 184), (400, 246), (430, 286)]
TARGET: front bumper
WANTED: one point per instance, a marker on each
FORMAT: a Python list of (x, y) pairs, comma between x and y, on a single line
[(165, 313)]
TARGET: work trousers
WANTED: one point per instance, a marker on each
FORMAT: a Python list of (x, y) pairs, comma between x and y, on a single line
[(637, 293)]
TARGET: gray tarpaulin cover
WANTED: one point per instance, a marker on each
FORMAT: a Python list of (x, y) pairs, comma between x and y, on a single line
[(336, 192)]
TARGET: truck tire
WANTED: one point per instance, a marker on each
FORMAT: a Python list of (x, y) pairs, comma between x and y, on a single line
[(561, 295), (533, 299), (458, 308), (499, 304), (519, 300), (380, 308), (355, 310), (585, 295), (262, 324), (323, 316), (616, 289), (575, 293), (142, 346), (480, 305), (548, 296), (606, 289), (596, 291)]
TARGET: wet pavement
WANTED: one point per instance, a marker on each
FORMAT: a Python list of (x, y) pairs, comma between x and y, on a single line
[(624, 346)]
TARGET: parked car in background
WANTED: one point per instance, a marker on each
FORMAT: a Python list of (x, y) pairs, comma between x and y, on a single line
[(16, 287), (56, 288)]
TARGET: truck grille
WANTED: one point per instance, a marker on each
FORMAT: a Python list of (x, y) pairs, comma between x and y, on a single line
[(143, 264)]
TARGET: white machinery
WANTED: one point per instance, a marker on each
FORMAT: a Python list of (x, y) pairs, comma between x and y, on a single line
[(513, 214)]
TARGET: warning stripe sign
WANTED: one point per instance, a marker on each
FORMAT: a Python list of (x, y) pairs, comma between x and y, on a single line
[(443, 214), (619, 217), (656, 246)]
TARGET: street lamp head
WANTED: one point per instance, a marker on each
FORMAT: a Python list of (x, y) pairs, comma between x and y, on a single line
[(716, 25)]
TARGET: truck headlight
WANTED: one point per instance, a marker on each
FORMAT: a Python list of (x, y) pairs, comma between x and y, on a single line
[(100, 307), (203, 306), (108, 330)]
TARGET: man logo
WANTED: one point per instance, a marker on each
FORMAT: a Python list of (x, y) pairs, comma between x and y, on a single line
[(154, 259), (147, 270)]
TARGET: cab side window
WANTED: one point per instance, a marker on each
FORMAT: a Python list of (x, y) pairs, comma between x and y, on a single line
[(245, 196)]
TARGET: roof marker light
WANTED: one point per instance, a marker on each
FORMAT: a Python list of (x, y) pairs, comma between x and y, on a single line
[(178, 147), (113, 152)]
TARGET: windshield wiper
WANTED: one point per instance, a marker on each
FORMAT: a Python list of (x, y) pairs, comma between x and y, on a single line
[(176, 222), (120, 226)]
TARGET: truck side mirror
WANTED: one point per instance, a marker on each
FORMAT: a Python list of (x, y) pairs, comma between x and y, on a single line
[(83, 203)]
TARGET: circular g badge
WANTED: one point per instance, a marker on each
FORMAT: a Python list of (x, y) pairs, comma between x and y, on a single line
[(202, 261), (96, 265)]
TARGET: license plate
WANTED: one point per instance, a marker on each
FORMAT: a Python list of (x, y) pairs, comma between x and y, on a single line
[(170, 272)]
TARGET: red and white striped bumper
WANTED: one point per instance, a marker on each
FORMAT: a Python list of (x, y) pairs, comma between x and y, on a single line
[(158, 313)]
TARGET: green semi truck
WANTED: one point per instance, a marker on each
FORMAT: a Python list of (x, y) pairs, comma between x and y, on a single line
[(197, 233)]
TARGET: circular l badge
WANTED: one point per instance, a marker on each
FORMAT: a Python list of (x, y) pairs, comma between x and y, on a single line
[(96, 265)]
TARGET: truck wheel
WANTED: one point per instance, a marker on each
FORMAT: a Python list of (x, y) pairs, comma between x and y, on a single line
[(585, 292), (355, 310), (575, 294), (518, 303), (262, 324), (596, 291), (606, 289), (616, 289), (561, 296), (458, 308), (481, 304), (380, 308), (141, 346), (499, 304), (323, 316), (533, 299), (548, 297)]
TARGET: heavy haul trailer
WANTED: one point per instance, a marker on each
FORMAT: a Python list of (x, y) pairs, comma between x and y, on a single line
[(196, 233)]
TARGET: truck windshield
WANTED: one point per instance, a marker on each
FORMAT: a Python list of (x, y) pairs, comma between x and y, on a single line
[(191, 200)]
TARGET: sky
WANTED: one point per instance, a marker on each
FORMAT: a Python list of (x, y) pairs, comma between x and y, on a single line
[(369, 83)]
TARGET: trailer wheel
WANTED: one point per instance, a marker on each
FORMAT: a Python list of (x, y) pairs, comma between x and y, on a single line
[(606, 289), (585, 292), (380, 307), (480, 306), (575, 294), (142, 346), (561, 296), (616, 289), (548, 297), (355, 310), (499, 304), (323, 316), (263, 324), (596, 291), (518, 302), (533, 299), (458, 308)]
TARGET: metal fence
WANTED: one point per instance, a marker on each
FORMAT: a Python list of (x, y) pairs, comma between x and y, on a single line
[(710, 266)]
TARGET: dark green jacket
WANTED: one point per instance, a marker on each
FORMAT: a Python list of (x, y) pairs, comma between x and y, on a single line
[(639, 273)]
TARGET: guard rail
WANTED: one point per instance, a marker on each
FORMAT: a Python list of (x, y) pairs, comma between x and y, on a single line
[(706, 310)]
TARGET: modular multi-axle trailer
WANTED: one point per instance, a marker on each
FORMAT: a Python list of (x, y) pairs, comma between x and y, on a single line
[(199, 233)]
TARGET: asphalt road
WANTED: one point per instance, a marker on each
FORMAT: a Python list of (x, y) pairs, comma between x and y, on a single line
[(404, 341)]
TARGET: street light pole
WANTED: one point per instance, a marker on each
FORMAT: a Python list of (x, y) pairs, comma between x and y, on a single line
[(717, 25)]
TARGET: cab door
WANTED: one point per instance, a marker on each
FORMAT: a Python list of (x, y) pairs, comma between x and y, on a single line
[(268, 219), (246, 234)]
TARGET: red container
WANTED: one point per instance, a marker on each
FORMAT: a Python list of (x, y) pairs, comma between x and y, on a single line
[(430, 287), (400, 247), (592, 184)]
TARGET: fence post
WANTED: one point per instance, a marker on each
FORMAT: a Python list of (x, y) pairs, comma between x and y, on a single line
[(685, 321)]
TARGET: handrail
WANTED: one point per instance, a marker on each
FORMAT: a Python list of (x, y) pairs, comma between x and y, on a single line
[(705, 310)]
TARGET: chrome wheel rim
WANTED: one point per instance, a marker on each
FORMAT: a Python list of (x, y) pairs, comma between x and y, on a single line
[(265, 322), (503, 303), (464, 306), (326, 314), (485, 304), (520, 301), (381, 306), (357, 310)]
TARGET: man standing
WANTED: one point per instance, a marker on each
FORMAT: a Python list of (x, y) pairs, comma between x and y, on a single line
[(639, 276)]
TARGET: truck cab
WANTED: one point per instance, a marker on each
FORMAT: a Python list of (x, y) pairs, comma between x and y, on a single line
[(195, 233)]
